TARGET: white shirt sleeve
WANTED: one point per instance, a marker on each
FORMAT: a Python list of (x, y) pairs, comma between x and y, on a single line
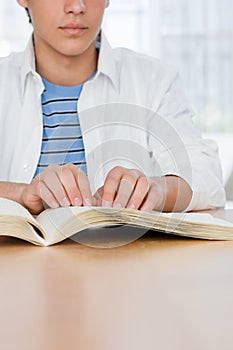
[(180, 150)]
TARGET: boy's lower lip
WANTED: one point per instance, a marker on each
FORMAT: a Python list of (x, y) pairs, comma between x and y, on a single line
[(73, 31)]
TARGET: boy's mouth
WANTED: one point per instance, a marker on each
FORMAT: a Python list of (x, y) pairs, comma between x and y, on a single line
[(73, 28)]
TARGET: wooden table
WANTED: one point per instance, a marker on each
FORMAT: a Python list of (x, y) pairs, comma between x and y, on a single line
[(160, 292)]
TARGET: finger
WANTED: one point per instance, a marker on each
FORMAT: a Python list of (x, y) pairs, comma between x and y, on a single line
[(31, 197), (46, 195), (51, 179), (68, 175), (98, 196), (155, 199), (140, 191), (37, 197), (111, 185), (99, 193), (126, 188), (84, 188)]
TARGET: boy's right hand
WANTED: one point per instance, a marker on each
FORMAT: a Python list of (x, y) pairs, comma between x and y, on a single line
[(57, 186)]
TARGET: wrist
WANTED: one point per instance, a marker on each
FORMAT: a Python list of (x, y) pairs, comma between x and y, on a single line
[(13, 191), (174, 194), (160, 192)]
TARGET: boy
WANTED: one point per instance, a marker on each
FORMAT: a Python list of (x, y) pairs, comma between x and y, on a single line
[(115, 94)]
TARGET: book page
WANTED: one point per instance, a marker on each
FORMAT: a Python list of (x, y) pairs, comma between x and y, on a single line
[(57, 224), (199, 218), (9, 207), (61, 223), (16, 221), (53, 220)]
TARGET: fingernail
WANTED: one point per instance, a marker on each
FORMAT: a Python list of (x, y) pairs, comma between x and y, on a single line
[(54, 205), (77, 202), (146, 209), (65, 202), (132, 206), (106, 204), (117, 205)]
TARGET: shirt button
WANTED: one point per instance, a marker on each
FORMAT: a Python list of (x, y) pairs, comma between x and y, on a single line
[(26, 167)]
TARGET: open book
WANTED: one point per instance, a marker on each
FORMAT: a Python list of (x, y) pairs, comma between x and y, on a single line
[(55, 225)]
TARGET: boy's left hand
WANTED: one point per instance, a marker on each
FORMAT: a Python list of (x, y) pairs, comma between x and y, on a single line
[(130, 188)]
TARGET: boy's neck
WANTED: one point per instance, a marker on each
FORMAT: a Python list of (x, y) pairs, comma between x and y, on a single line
[(66, 71)]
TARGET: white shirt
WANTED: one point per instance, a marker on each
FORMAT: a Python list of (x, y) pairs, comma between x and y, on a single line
[(133, 113)]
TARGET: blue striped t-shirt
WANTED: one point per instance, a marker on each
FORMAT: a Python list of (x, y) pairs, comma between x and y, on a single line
[(62, 136)]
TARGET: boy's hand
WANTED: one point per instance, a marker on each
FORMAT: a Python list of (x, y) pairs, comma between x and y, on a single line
[(57, 186), (129, 188)]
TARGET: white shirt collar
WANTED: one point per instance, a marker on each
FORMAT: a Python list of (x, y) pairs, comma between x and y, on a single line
[(106, 62)]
